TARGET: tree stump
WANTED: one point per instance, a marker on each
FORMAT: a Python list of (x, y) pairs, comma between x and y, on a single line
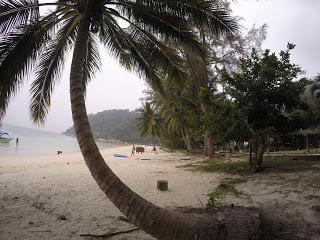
[(162, 185)]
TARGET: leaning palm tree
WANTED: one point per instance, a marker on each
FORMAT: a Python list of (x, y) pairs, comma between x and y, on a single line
[(30, 41)]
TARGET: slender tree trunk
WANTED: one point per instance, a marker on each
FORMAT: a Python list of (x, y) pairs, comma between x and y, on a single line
[(231, 224), (185, 138), (188, 139), (258, 145), (209, 150)]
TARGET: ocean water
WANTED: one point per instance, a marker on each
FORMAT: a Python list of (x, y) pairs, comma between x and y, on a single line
[(38, 142)]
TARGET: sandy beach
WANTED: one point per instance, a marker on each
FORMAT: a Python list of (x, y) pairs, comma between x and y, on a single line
[(38, 192), (55, 197)]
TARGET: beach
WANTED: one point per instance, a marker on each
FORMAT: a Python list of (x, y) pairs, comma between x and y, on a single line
[(38, 192), (55, 197)]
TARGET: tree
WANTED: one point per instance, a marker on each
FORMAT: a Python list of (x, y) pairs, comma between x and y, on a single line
[(220, 50), (265, 92), (150, 121), (315, 87), (29, 39)]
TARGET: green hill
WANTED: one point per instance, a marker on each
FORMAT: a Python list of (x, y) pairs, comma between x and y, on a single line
[(116, 124)]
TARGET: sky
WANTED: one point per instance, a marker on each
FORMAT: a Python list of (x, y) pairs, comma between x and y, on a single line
[(294, 21)]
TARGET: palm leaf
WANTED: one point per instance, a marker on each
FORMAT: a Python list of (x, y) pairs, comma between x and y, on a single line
[(203, 13), (10, 18), (49, 69), (132, 54), (92, 62), (165, 57), (19, 51), (163, 24)]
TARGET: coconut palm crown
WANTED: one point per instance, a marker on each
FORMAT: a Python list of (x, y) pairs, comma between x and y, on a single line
[(31, 42), (35, 43)]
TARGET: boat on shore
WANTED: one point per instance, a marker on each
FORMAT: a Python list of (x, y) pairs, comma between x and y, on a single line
[(4, 137)]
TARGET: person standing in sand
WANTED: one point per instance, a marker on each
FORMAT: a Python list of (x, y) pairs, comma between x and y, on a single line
[(133, 150)]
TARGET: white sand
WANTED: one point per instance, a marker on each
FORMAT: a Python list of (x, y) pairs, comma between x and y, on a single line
[(35, 191)]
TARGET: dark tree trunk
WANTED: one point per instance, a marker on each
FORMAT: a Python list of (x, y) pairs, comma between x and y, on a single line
[(209, 150), (227, 224), (257, 149)]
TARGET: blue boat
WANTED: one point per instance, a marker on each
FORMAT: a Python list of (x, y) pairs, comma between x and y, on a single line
[(120, 155)]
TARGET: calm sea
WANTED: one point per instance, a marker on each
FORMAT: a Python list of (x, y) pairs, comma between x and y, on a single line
[(38, 142)]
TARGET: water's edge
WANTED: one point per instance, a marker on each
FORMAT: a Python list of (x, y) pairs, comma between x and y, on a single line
[(39, 142)]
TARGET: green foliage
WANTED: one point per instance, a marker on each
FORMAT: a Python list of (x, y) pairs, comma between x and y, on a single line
[(240, 167), (315, 88), (119, 125), (221, 165), (226, 187), (214, 200), (149, 120), (225, 121), (265, 91)]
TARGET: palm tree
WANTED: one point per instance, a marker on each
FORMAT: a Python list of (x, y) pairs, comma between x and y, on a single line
[(150, 122), (30, 41), (199, 72)]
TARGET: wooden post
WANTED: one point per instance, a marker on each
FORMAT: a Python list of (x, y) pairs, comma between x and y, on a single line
[(162, 185)]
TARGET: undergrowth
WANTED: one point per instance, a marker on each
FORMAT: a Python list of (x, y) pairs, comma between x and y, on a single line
[(226, 186), (241, 166)]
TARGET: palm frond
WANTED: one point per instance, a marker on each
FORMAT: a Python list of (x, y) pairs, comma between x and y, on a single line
[(49, 69), (131, 54), (165, 56), (19, 51), (149, 122), (92, 62), (212, 14), (162, 24), (10, 18)]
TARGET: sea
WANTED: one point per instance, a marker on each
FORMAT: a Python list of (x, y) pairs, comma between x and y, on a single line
[(39, 142)]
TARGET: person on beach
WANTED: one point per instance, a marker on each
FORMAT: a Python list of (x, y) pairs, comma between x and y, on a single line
[(133, 150), (17, 140), (155, 149)]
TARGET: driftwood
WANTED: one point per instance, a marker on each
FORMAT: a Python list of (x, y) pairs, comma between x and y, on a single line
[(107, 235)]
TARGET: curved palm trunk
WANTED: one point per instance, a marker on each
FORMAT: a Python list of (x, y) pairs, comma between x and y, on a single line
[(236, 223)]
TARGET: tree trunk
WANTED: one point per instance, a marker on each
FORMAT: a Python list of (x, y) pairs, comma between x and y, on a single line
[(208, 145), (230, 223), (186, 138), (258, 145)]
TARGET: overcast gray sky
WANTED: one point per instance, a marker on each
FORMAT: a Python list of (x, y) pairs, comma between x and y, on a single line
[(294, 21)]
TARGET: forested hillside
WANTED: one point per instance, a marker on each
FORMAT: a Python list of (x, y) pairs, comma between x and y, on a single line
[(116, 125)]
